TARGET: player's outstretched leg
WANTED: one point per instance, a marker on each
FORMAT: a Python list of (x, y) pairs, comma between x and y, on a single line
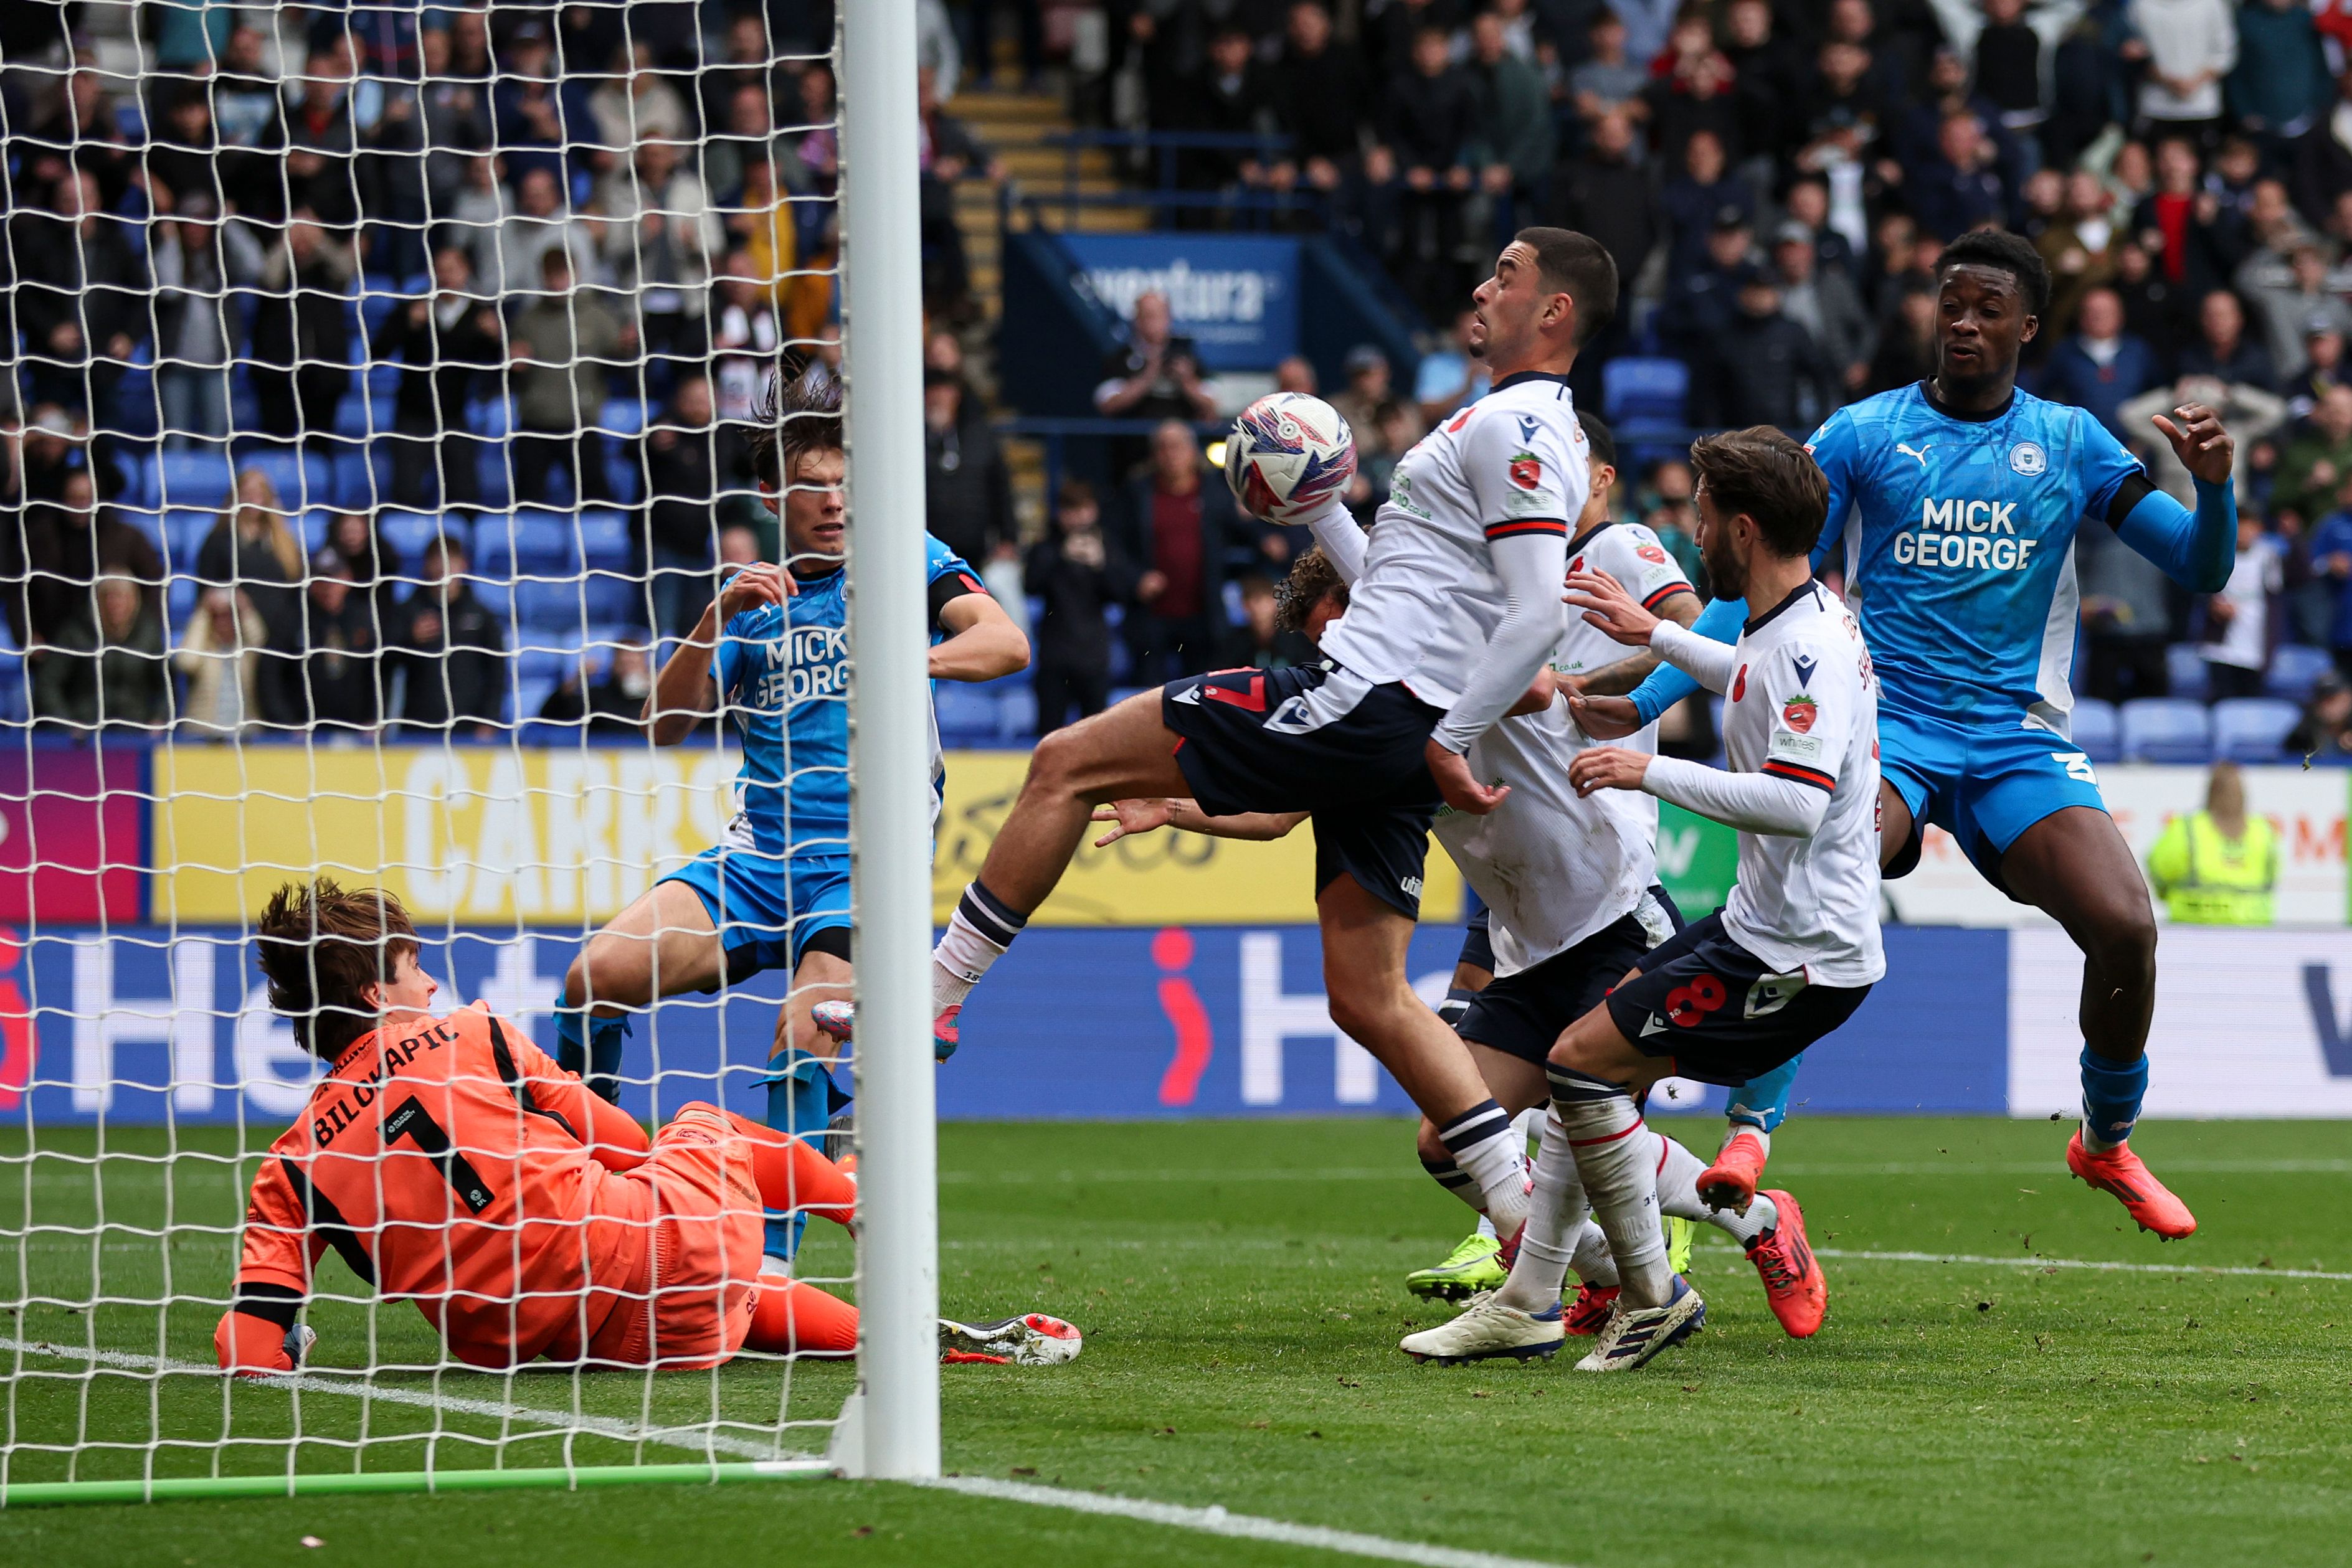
[(1124, 752), (2075, 865), (791, 1174), (1756, 1110), (800, 1068), (789, 1318)]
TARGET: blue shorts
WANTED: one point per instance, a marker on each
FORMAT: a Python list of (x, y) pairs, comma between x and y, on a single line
[(1984, 786), (767, 909)]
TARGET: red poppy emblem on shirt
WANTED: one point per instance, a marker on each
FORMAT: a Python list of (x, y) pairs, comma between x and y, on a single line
[(1799, 713), (1576, 565), (1739, 684), (1527, 470), (1650, 553)]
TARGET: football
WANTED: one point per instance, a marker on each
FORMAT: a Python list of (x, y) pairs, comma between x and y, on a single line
[(1287, 454)]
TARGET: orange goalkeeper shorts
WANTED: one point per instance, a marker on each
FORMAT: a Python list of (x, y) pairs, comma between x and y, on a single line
[(696, 1208)]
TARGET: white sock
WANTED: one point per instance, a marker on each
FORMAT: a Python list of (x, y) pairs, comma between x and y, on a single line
[(1487, 1151), (1529, 1126), (1556, 1223), (1486, 1227), (1619, 1171), (977, 935), (1678, 1173), (1593, 1262)]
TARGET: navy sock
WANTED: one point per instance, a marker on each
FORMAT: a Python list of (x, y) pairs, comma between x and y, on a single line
[(800, 1104), (1763, 1102), (2111, 1092), (607, 1038), (571, 1042)]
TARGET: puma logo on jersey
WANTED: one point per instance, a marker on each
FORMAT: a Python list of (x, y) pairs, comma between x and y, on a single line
[(1919, 452)]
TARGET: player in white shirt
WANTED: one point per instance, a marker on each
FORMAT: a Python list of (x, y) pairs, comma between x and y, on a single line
[(1568, 879), (1455, 614), (1785, 961)]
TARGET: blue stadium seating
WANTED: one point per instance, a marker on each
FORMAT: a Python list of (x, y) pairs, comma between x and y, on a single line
[(1644, 395), (529, 543), (2098, 730), (2252, 729), (2166, 729), (1016, 715), (604, 541), (362, 482), (2294, 668), (199, 479), (968, 715), (184, 536), (2184, 671), (615, 597), (408, 533)]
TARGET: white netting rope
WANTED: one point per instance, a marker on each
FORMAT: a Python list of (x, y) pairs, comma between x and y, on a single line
[(382, 394)]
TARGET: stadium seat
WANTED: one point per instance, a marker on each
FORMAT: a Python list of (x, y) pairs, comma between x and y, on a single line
[(184, 537), (621, 416), (614, 596), (968, 715), (137, 469), (2184, 672), (407, 534), (605, 541), (360, 483), (200, 479), (2098, 730), (1652, 390), (1016, 714), (528, 543), (2252, 729), (2294, 669), (546, 609), (530, 695), (2166, 729), (314, 529)]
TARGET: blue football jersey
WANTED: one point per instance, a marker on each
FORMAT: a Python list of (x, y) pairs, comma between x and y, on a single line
[(783, 672), (1959, 550)]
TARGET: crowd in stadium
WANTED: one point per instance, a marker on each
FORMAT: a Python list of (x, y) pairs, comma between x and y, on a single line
[(435, 269), (1776, 178)]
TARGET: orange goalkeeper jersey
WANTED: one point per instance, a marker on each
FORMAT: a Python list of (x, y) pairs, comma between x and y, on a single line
[(451, 1162)]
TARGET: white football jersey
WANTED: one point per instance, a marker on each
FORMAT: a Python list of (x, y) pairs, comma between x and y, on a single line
[(1803, 706), (1553, 868), (1632, 555), (1427, 604)]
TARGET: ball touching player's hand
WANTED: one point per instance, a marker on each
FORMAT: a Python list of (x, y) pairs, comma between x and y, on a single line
[(1608, 768), (1458, 784), (1133, 817), (1607, 605), (1605, 718), (2203, 447)]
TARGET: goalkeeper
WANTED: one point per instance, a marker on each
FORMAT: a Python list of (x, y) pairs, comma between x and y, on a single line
[(450, 1163)]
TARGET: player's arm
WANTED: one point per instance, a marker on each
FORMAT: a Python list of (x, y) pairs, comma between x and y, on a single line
[(1146, 815), (1606, 603), (982, 642), (257, 1335), (1814, 708), (683, 687), (2196, 547), (613, 1137), (1343, 538)]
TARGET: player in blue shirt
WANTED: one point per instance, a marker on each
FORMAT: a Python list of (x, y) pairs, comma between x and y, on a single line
[(1965, 496), (773, 655)]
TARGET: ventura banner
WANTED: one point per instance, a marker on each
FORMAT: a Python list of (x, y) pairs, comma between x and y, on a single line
[(1236, 296)]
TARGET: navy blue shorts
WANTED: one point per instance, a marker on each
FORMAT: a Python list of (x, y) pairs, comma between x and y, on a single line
[(1523, 1015), (1321, 740), (1711, 1007)]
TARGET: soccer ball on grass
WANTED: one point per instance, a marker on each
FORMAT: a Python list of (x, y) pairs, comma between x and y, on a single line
[(1288, 454)]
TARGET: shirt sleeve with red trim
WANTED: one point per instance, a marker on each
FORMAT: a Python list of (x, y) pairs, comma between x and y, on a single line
[(1815, 691), (1528, 473), (951, 578), (1655, 575)]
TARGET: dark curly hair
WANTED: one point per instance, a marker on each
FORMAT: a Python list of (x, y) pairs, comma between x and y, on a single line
[(2004, 252), (795, 418), (1312, 576)]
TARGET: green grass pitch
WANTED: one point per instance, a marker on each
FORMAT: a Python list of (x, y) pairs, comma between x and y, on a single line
[(1239, 1284)]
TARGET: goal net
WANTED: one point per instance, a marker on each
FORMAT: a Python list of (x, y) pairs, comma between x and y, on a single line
[(383, 393)]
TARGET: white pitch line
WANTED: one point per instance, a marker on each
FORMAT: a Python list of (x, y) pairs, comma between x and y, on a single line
[(2091, 1264), (490, 1410), (1242, 1526), (1406, 1173), (1209, 1521)]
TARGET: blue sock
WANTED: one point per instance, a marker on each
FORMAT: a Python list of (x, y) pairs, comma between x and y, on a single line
[(1763, 1102), (800, 1103), (2111, 1092), (606, 1039)]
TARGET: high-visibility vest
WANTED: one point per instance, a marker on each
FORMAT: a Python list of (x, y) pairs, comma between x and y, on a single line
[(2207, 879)]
